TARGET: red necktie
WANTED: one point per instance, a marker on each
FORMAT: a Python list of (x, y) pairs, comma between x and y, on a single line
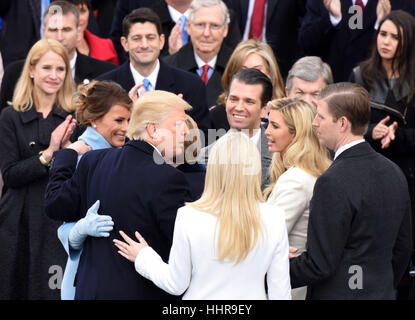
[(205, 76), (257, 20), (360, 4)]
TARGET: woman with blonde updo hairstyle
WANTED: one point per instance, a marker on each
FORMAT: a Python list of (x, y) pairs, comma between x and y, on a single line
[(104, 108), (298, 160), (247, 54)]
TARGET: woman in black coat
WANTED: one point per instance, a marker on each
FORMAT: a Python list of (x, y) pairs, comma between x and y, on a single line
[(389, 76), (38, 123)]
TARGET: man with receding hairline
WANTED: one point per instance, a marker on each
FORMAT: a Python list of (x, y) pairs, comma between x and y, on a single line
[(359, 233)]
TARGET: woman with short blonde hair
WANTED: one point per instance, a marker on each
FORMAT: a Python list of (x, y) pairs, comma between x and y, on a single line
[(298, 160), (226, 243), (236, 63)]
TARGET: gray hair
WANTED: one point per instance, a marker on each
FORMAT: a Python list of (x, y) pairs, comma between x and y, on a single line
[(63, 8), (197, 4), (309, 69)]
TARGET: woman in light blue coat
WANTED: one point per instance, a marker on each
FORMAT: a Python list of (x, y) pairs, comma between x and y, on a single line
[(104, 108)]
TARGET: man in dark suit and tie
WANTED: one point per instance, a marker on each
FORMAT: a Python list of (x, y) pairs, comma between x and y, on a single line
[(246, 104), (206, 54), (359, 235), (342, 34), (65, 29), (171, 14), (281, 20), (136, 185), (143, 41)]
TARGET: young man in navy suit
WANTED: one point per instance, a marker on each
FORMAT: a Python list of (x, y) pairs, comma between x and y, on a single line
[(359, 238), (143, 41)]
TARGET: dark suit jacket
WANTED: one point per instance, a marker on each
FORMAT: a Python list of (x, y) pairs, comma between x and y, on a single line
[(160, 7), (185, 59), (173, 80), (283, 20), (359, 216), (85, 68), (341, 47), (137, 193), (21, 28)]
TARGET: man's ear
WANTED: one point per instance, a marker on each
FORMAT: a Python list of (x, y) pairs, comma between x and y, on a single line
[(162, 41), (79, 34), (264, 111), (124, 43)]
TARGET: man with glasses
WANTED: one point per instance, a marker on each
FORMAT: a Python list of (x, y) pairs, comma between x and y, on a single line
[(206, 54)]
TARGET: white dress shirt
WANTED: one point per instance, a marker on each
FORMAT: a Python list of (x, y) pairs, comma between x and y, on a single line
[(138, 78), (347, 146), (194, 265), (72, 63), (175, 15)]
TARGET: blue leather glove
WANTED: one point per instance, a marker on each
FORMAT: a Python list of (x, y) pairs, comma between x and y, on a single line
[(92, 224)]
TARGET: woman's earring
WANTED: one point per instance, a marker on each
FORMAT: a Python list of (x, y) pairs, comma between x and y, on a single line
[(95, 126)]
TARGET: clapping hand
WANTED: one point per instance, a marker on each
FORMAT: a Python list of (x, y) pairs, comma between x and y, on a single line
[(384, 133), (130, 248), (334, 7)]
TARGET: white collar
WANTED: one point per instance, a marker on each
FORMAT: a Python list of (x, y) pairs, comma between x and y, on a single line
[(364, 2), (256, 136), (175, 15), (138, 78), (72, 63), (200, 63), (347, 146)]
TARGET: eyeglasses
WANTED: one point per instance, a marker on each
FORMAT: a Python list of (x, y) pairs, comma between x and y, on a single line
[(212, 27)]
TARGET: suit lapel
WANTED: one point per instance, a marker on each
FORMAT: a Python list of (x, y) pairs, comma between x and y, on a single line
[(165, 80), (271, 5), (187, 59), (82, 69)]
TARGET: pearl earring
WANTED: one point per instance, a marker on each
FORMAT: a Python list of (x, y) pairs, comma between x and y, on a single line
[(94, 125)]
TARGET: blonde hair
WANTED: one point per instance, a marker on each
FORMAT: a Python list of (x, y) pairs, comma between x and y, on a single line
[(153, 107), (304, 151), (239, 55), (232, 192), (24, 96)]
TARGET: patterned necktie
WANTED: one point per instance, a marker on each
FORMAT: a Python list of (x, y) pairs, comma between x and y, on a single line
[(257, 20), (185, 36), (205, 76), (146, 84)]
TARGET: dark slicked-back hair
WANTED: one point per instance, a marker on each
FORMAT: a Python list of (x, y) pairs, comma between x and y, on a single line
[(254, 76), (349, 100), (140, 15)]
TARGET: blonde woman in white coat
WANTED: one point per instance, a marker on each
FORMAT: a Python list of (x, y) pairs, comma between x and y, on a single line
[(298, 161), (228, 241)]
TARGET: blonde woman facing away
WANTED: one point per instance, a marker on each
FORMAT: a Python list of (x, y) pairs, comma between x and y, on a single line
[(226, 242), (298, 161)]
